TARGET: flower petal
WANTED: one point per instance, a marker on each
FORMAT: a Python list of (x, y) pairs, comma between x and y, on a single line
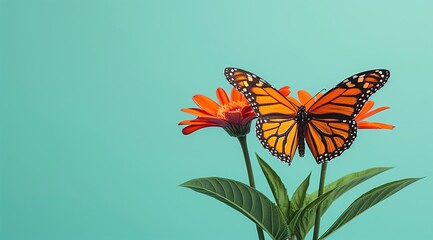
[(235, 118), (368, 114), (294, 100), (192, 128), (235, 95), (196, 121), (243, 99), (368, 105), (247, 110), (211, 120), (247, 119), (285, 90), (207, 104), (222, 96), (374, 125), (196, 111), (305, 98), (184, 122)]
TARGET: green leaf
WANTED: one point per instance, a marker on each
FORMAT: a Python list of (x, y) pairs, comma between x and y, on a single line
[(340, 186), (368, 200), (298, 198), (293, 223), (306, 214), (359, 177), (278, 189), (246, 200)]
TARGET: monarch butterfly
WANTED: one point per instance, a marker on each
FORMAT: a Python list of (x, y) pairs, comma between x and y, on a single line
[(327, 125)]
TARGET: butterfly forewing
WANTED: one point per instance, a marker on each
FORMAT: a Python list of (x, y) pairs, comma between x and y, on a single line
[(331, 127), (263, 98), (346, 99)]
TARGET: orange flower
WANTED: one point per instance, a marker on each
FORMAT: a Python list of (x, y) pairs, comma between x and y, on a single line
[(233, 114), (365, 112)]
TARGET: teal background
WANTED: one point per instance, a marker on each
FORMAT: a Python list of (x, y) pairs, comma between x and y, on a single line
[(90, 98)]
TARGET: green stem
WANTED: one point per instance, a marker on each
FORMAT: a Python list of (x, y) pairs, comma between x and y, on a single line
[(243, 142), (321, 185)]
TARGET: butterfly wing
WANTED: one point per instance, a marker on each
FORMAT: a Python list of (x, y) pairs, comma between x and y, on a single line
[(329, 138), (276, 126), (279, 136), (346, 99), (331, 128), (264, 99)]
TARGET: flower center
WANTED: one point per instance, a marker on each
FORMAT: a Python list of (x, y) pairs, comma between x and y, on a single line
[(231, 107)]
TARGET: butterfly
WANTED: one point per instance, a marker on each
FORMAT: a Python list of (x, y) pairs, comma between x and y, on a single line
[(328, 125)]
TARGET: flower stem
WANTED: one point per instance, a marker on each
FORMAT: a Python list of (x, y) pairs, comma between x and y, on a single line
[(321, 185), (243, 142)]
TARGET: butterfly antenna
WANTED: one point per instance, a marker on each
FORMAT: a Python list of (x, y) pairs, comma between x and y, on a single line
[(323, 89)]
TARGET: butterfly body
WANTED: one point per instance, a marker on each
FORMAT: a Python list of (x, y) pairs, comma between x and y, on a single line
[(326, 125), (302, 120)]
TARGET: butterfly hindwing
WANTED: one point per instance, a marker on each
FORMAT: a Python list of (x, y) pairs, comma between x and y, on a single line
[(329, 138), (279, 136)]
